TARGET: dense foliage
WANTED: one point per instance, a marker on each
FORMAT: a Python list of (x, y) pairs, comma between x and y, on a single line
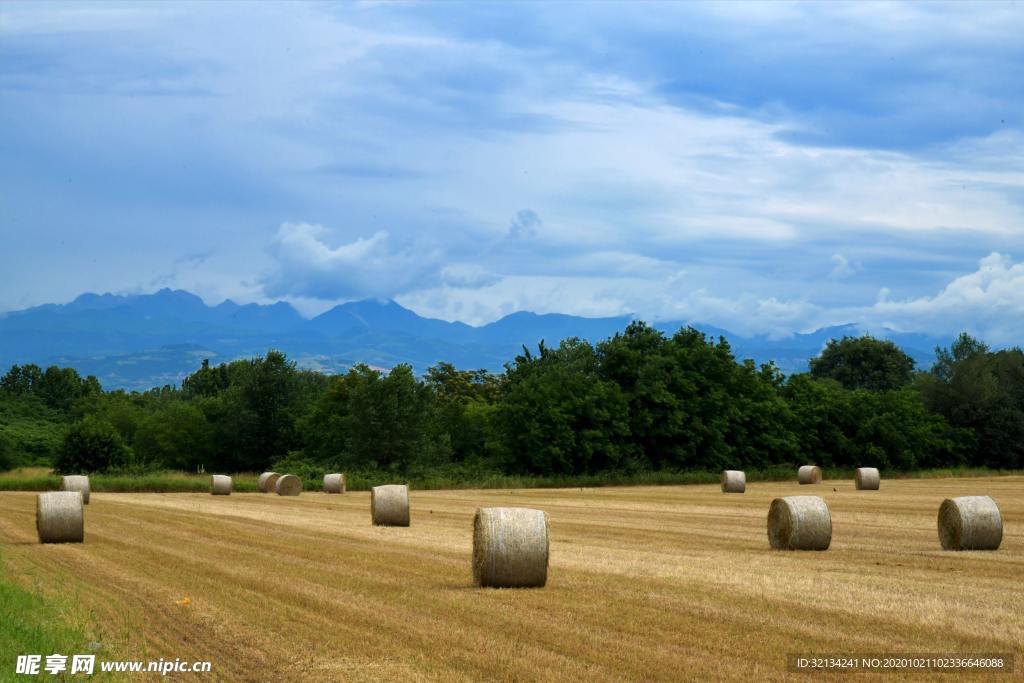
[(637, 402), (864, 363)]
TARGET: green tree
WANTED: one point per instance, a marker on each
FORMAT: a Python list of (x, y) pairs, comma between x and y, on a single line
[(122, 410), (963, 348), (206, 381), (367, 419), (21, 380), (982, 391), (897, 430), (92, 445), (557, 415), (691, 406), (824, 420), (176, 437), (57, 387), (840, 427), (252, 407), (464, 408), (6, 452), (864, 363)]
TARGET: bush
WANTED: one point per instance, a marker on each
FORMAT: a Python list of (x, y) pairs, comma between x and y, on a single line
[(92, 445), (303, 467)]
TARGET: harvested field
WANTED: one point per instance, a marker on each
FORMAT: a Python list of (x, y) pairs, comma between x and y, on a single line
[(658, 583)]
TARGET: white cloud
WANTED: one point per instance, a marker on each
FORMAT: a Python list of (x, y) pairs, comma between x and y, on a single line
[(842, 268), (666, 298), (305, 265), (638, 192), (468, 275), (988, 302)]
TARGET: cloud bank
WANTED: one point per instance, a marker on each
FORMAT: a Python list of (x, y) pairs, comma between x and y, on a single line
[(766, 168), (306, 266)]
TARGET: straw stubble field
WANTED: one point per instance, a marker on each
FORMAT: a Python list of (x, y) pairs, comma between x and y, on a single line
[(659, 583)]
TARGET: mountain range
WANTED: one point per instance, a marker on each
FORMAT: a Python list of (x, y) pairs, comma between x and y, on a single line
[(146, 340)]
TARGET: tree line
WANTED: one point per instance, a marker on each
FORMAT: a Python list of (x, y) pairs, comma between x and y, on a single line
[(638, 401)]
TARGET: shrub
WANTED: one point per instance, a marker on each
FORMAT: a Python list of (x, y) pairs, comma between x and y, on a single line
[(92, 445)]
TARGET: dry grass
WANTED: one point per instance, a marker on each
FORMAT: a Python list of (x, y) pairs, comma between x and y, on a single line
[(662, 583)]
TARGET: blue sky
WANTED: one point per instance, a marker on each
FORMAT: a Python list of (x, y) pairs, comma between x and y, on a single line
[(764, 167)]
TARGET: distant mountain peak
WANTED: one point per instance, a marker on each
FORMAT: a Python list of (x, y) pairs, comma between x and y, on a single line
[(93, 301), (144, 340)]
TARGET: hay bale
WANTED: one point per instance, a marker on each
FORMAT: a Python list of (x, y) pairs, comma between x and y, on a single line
[(799, 523), (60, 517), (334, 483), (734, 481), (970, 523), (220, 485), (288, 485), (389, 505), (809, 474), (867, 478), (267, 482), (510, 548), (76, 482)]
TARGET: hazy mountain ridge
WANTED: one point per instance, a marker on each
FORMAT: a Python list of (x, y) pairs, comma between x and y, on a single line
[(145, 340)]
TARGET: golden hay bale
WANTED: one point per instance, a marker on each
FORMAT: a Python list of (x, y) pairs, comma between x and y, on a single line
[(799, 523), (510, 547), (970, 523), (809, 474), (334, 483), (220, 485), (389, 505), (288, 485), (267, 482), (76, 482), (734, 481), (60, 517), (867, 478)]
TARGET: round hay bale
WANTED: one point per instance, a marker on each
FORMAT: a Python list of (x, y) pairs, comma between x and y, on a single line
[(389, 505), (220, 485), (267, 482), (60, 517), (734, 481), (76, 482), (334, 483), (799, 523), (288, 485), (809, 474), (867, 478), (970, 523), (510, 548)]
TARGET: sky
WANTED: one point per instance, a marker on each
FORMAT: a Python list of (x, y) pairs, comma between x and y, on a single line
[(764, 167)]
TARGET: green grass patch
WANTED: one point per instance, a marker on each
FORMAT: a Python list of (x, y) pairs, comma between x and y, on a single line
[(450, 478), (33, 479), (33, 624)]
